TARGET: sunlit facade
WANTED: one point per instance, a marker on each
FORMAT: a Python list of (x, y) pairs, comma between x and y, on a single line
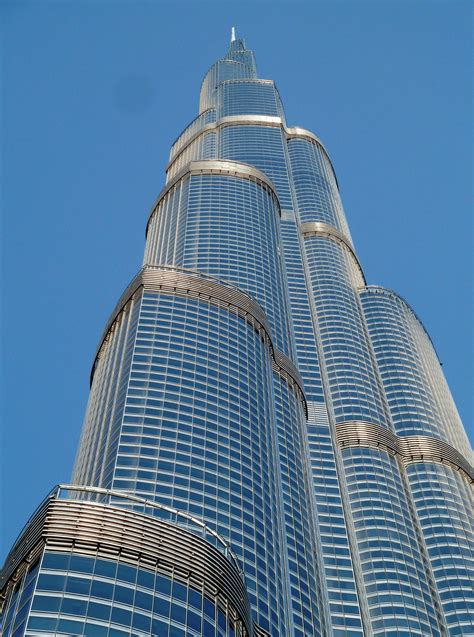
[(270, 446)]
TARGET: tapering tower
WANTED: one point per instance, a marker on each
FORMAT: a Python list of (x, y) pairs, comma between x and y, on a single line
[(270, 447)]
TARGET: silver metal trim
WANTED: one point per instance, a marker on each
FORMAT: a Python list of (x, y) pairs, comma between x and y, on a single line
[(264, 120), (171, 280), (318, 228), (285, 367), (113, 531), (232, 168), (270, 120), (297, 131), (215, 167), (411, 449), (210, 126), (426, 449), (253, 80), (358, 433), (293, 132), (188, 283), (211, 108)]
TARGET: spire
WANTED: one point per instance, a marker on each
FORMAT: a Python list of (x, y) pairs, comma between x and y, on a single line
[(232, 34)]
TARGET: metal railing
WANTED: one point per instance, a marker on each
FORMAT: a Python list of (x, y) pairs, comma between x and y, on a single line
[(165, 513), (121, 499)]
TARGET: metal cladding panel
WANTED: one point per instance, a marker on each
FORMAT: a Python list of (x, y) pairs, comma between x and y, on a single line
[(221, 218), (412, 449), (204, 403), (418, 396), (107, 531), (191, 284)]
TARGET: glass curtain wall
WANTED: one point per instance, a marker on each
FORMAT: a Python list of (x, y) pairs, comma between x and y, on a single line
[(270, 446)]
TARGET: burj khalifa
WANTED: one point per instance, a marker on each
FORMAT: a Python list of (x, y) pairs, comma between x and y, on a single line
[(270, 446)]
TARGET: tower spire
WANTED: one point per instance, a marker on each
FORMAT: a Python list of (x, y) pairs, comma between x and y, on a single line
[(232, 34)]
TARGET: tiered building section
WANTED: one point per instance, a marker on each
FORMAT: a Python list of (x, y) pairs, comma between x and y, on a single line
[(270, 447)]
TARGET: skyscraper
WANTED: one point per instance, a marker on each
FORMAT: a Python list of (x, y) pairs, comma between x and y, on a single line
[(270, 446)]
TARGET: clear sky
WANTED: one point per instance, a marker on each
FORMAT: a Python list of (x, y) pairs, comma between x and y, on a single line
[(94, 93)]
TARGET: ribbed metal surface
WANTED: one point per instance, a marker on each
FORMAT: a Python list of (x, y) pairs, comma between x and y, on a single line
[(297, 131), (318, 228), (426, 449), (216, 167), (206, 289), (366, 434), (410, 448), (28, 540), (250, 120), (259, 632), (317, 414), (285, 367), (192, 129), (183, 283), (227, 167), (246, 120), (113, 532)]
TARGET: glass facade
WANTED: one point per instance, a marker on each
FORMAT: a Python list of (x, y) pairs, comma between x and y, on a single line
[(270, 446), (112, 598), (78, 582)]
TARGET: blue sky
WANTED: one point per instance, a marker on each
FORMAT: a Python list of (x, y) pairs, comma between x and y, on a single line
[(94, 93)]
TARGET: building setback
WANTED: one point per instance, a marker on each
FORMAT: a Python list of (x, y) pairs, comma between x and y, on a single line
[(270, 446)]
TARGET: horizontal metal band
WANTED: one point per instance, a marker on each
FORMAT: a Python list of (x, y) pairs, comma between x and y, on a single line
[(216, 167), (25, 547), (251, 80), (115, 532), (227, 167), (210, 82), (286, 368), (311, 228), (294, 132), (245, 120), (412, 449), (269, 120), (188, 283), (210, 126), (318, 228), (426, 449), (170, 280), (358, 433), (176, 141)]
